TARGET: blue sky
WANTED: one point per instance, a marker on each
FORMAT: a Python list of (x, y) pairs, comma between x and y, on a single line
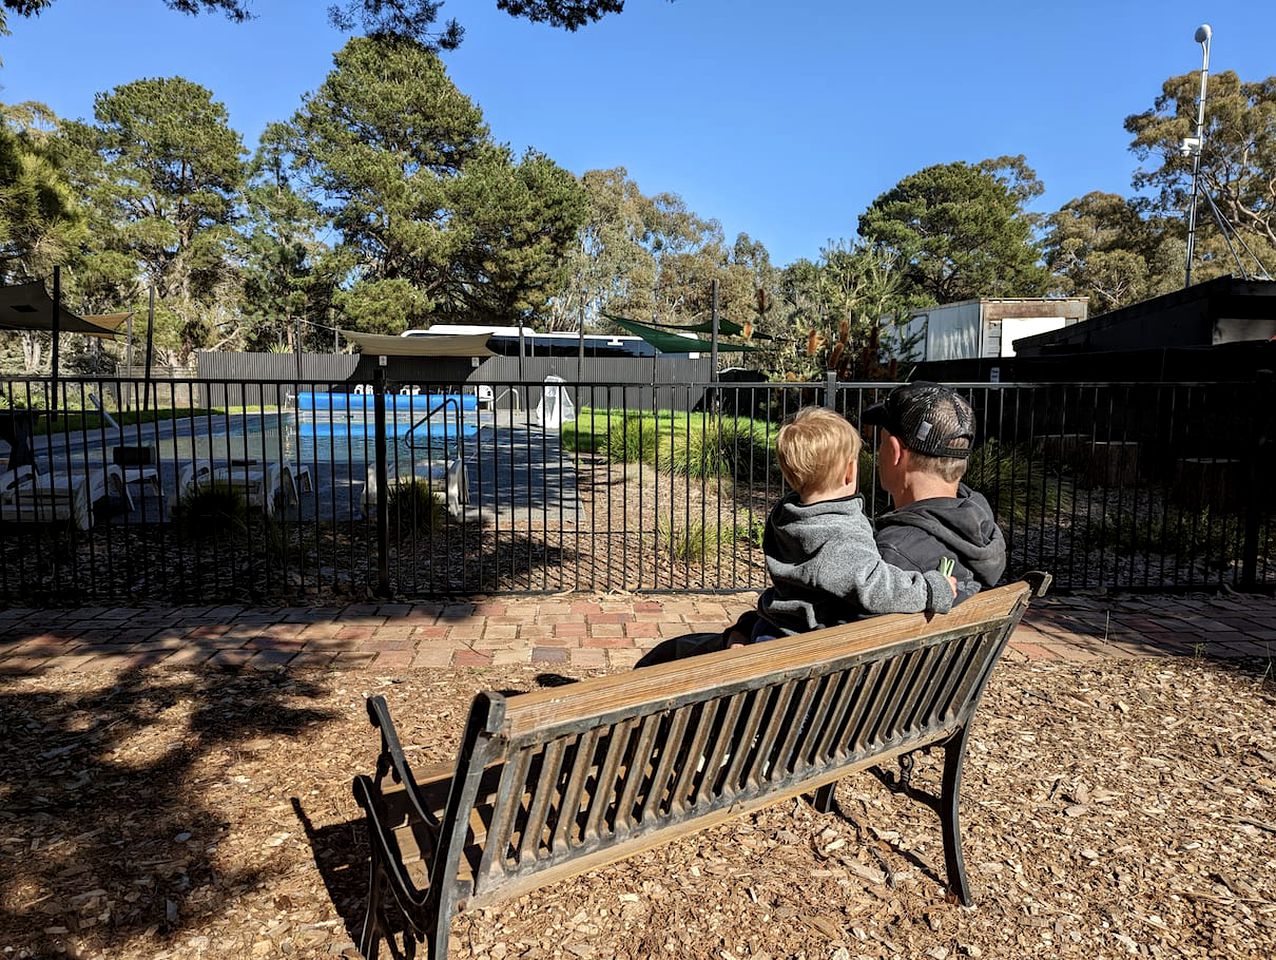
[(782, 119)]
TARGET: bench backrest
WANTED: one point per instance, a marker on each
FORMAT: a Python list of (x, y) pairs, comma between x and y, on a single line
[(558, 781)]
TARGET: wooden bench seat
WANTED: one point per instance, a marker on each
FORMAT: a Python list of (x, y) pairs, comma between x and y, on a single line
[(559, 781)]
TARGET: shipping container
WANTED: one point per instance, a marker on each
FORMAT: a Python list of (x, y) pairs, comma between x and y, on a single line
[(987, 327)]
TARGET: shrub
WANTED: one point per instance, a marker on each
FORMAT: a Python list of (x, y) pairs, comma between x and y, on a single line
[(694, 543), (212, 511), (1000, 471), (752, 531), (413, 507)]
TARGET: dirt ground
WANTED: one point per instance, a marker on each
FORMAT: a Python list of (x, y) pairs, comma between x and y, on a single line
[(1109, 810)]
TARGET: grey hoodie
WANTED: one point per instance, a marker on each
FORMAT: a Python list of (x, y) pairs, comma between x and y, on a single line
[(825, 568), (962, 527)]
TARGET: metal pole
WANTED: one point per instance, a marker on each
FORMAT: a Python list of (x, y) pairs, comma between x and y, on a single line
[(1260, 452), (713, 336), (128, 358), (57, 329), (1203, 34), (150, 351), (297, 336), (580, 356), (520, 350), (383, 480)]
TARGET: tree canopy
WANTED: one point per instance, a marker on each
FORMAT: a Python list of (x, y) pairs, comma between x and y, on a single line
[(1238, 163), (439, 220), (961, 230), (414, 19)]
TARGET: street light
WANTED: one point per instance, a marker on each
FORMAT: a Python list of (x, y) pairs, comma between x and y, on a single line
[(1192, 146)]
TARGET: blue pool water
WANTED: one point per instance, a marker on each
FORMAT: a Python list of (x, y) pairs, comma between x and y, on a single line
[(334, 436), (397, 404)]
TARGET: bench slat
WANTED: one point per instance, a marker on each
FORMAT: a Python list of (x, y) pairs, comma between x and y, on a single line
[(561, 781), (709, 674)]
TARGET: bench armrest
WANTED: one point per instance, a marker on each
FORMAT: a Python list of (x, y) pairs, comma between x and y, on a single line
[(391, 760), (1040, 582)]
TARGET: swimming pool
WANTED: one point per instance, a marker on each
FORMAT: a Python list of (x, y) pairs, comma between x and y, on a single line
[(397, 404)]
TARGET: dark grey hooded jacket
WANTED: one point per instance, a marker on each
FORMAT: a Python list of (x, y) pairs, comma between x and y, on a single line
[(962, 527), (825, 568)]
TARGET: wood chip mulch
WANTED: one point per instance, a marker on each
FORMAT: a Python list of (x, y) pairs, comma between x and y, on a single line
[(1110, 810)]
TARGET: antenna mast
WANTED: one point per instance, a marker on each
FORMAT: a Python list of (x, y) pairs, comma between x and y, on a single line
[(1192, 145)]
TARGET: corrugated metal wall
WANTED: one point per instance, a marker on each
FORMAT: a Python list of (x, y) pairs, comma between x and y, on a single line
[(240, 370), (316, 368)]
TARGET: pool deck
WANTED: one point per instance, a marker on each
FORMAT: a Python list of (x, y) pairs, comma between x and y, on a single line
[(608, 631)]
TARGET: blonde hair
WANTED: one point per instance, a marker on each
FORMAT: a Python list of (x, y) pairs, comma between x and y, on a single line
[(814, 447)]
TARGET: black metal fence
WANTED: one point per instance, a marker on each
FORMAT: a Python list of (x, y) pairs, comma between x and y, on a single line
[(324, 491)]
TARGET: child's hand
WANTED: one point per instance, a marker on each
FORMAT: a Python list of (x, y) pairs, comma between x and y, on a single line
[(734, 645), (952, 582)]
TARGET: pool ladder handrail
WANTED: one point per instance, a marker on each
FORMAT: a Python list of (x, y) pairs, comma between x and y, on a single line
[(441, 407)]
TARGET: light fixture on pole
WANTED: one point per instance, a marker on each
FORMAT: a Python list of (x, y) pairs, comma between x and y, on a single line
[(1191, 146)]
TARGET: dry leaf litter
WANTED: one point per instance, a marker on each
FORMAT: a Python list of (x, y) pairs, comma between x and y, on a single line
[(1123, 809)]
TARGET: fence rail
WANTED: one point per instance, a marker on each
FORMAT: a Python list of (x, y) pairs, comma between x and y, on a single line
[(319, 490)]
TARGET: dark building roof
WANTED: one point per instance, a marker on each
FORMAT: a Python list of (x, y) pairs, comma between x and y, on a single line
[(1220, 311)]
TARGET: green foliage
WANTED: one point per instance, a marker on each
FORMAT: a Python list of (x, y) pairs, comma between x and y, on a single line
[(1099, 246), (162, 169), (651, 258), (438, 220), (687, 445), (414, 19), (961, 230), (286, 267), (1238, 165), (694, 542), (845, 313), (41, 221), (211, 511), (414, 508), (1208, 534), (752, 531), (1001, 472)]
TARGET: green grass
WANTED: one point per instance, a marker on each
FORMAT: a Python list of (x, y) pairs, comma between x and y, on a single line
[(693, 543), (697, 445)]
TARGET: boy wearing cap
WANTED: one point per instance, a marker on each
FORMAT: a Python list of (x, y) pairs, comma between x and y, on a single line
[(925, 435)]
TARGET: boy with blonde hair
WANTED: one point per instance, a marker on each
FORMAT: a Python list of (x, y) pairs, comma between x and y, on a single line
[(824, 565)]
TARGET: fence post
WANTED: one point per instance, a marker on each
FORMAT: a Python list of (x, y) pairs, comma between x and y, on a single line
[(383, 481), (830, 389), (1255, 500)]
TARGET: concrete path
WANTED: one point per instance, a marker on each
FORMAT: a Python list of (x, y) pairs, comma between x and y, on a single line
[(601, 631)]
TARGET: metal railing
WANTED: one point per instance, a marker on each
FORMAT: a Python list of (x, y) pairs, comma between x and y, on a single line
[(318, 493)]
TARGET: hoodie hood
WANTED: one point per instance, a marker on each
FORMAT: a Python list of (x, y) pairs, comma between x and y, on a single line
[(800, 530), (963, 524)]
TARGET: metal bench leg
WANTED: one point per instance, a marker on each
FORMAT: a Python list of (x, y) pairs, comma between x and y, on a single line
[(370, 941), (439, 931), (954, 755), (822, 801)]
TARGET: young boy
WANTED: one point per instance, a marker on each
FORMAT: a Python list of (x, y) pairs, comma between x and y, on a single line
[(825, 567)]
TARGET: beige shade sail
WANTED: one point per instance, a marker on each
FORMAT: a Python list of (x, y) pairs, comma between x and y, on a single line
[(28, 306), (432, 345)]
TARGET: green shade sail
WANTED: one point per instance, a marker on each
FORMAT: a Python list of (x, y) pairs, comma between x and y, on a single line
[(674, 343)]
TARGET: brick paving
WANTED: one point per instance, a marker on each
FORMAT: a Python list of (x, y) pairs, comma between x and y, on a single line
[(601, 631)]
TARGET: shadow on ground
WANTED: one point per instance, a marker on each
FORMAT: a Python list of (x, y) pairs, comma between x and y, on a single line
[(108, 829)]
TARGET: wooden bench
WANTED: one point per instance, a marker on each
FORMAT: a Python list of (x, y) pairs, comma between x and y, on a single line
[(559, 781)]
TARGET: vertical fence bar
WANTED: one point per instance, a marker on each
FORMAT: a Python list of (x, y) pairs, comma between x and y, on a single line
[(1262, 412), (383, 479)]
